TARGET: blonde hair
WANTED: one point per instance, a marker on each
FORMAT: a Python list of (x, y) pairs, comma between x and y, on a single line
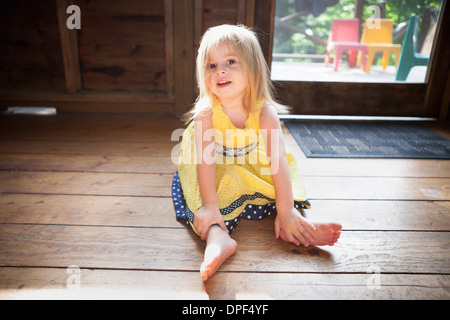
[(248, 49)]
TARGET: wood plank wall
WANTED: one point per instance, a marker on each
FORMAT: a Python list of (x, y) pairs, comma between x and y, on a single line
[(122, 46), (31, 51), (120, 61), (128, 57)]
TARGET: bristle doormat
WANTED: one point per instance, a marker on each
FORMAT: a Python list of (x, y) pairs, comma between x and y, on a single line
[(348, 139)]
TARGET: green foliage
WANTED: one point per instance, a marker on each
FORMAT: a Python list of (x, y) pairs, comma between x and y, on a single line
[(401, 10), (287, 41)]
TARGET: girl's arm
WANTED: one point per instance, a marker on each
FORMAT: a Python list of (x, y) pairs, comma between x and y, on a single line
[(276, 154), (288, 218), (206, 165), (209, 213)]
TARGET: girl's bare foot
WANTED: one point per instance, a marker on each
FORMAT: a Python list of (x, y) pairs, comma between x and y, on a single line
[(326, 234), (219, 247)]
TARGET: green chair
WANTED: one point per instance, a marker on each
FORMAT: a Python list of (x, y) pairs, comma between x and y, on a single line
[(409, 57)]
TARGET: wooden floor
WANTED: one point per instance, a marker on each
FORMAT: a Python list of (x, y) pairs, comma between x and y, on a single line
[(86, 212)]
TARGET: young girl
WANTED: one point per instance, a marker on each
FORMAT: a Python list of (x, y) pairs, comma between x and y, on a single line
[(232, 162)]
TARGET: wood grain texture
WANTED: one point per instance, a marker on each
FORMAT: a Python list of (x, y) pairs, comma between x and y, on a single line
[(51, 283), (158, 212), (155, 249), (124, 184)]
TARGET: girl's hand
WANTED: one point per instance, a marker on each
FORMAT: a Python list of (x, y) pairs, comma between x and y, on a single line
[(205, 217), (293, 227)]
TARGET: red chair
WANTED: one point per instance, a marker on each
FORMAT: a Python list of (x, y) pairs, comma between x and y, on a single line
[(344, 35)]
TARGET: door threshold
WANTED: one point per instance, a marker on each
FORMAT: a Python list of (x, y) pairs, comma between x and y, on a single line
[(352, 118)]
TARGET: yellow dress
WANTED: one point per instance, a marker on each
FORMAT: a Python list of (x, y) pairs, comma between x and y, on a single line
[(243, 182)]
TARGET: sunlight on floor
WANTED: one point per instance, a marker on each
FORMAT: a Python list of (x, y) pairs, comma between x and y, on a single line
[(119, 294), (100, 294)]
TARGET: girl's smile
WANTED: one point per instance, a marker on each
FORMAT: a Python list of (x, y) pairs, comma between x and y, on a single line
[(223, 84)]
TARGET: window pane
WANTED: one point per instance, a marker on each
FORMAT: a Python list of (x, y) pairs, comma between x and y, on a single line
[(390, 41)]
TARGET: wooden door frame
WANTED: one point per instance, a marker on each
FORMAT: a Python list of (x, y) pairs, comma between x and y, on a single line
[(371, 99)]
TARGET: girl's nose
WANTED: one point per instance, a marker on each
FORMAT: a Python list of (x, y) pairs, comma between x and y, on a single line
[(220, 70)]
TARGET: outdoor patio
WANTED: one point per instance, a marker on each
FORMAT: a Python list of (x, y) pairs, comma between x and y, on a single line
[(317, 71)]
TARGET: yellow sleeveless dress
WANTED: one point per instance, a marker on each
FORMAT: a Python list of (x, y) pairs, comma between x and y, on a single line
[(243, 182)]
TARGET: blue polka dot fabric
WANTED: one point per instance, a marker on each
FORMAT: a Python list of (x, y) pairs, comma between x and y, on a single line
[(250, 212)]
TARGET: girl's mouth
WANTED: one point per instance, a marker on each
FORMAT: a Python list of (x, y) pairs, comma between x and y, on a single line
[(224, 83)]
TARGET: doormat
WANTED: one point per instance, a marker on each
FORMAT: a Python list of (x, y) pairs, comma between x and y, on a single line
[(350, 139)]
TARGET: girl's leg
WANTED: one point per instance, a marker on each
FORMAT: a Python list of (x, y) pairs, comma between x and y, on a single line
[(219, 247)]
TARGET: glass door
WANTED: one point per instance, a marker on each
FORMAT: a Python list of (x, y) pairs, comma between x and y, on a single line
[(355, 57)]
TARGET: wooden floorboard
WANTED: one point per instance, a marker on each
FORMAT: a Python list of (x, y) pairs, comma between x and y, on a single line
[(174, 249), (94, 192), (158, 212), (159, 185), (51, 283), (100, 159)]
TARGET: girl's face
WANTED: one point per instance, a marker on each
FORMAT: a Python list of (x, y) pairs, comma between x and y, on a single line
[(226, 76)]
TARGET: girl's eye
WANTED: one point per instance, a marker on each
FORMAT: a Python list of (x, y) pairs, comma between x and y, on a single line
[(231, 61), (212, 66)]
